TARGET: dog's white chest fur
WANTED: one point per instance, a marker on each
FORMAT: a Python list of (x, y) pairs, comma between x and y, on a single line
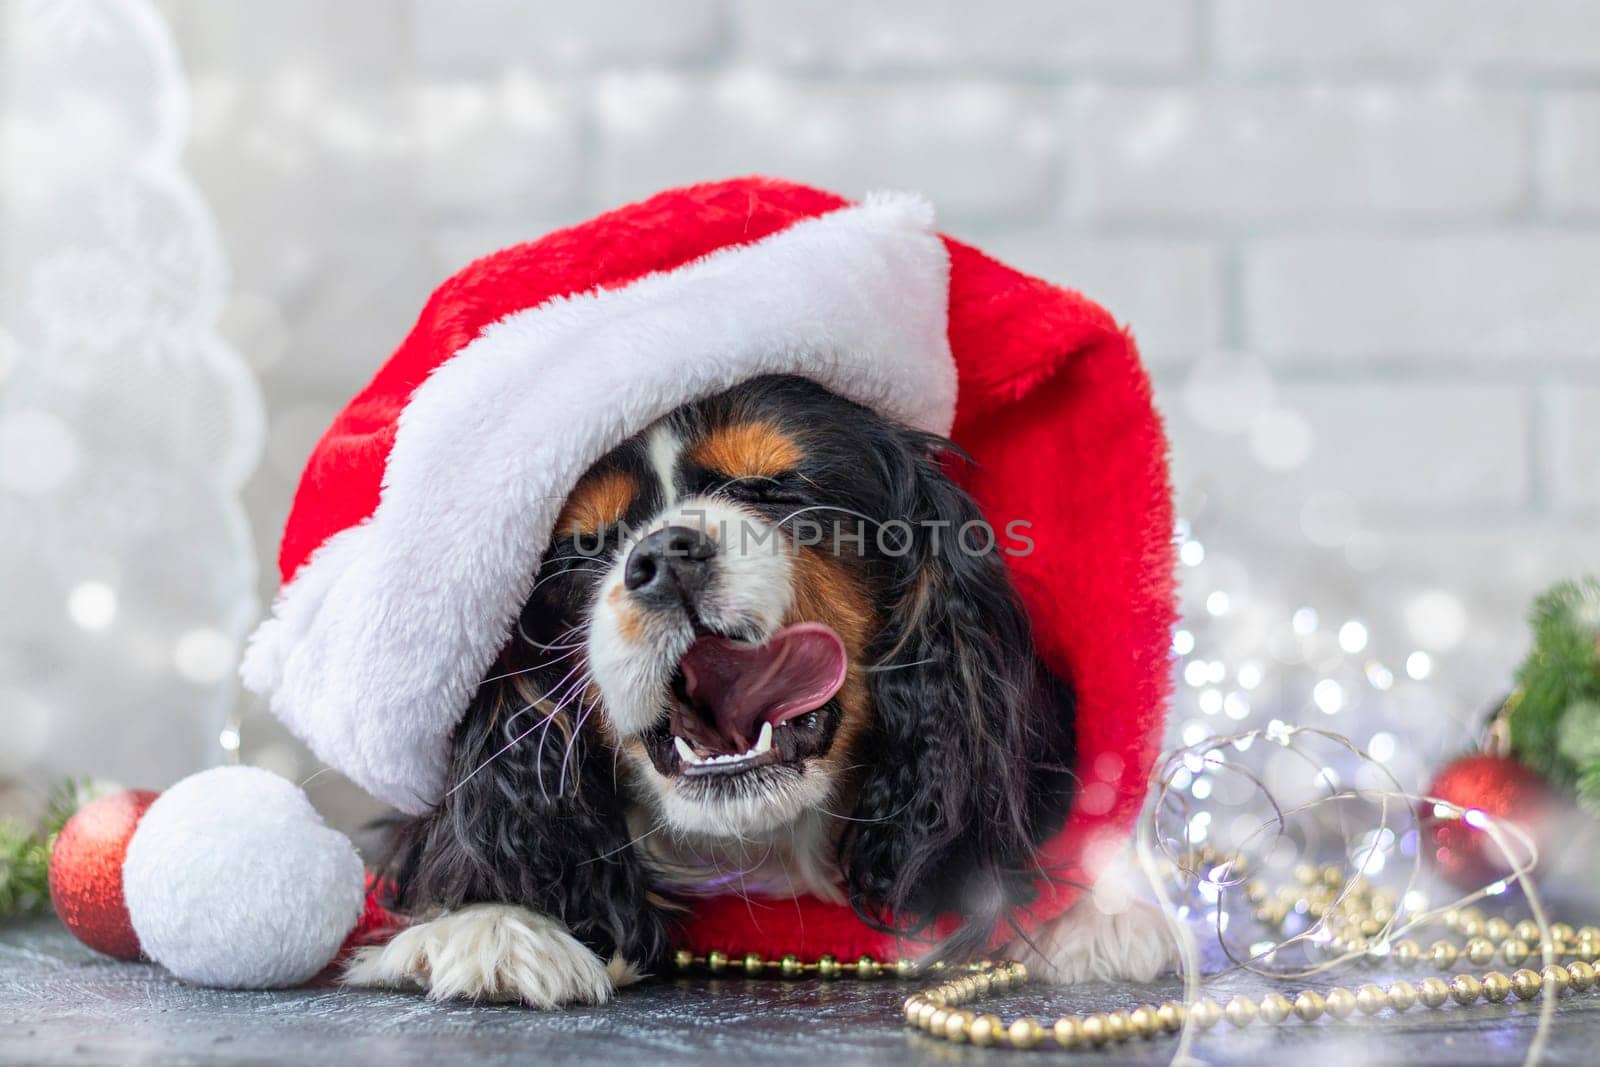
[(791, 862)]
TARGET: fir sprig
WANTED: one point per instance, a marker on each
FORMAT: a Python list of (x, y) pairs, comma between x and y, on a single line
[(25, 852), (1555, 724)]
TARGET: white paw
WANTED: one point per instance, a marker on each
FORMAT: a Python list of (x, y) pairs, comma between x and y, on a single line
[(1088, 944), (489, 952)]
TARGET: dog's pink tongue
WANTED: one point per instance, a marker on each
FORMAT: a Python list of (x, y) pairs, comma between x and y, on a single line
[(796, 671)]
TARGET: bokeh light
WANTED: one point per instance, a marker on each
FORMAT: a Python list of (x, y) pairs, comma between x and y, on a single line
[(92, 605)]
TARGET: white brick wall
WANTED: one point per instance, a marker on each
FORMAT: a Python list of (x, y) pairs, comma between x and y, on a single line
[(352, 39), (1453, 452), (982, 150), (1010, 35), (487, 35), (1458, 450), (505, 145), (1572, 445), (1571, 135), (1202, 155), (1532, 35), (1515, 294)]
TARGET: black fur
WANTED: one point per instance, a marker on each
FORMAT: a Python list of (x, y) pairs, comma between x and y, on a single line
[(969, 760), (965, 767), (539, 825)]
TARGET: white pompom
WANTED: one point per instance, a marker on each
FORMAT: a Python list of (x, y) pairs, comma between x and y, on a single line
[(232, 880)]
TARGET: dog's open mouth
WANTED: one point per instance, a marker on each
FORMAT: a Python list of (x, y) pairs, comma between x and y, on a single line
[(737, 706)]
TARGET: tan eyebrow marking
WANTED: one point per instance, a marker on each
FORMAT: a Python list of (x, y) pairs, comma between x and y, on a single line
[(748, 449), (598, 501)]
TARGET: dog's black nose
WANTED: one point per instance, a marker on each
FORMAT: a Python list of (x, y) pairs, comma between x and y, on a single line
[(670, 563)]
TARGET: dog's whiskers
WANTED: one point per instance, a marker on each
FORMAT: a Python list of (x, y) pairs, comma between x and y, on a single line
[(509, 745), (544, 665), (851, 818), (879, 668), (573, 692), (552, 646), (656, 828), (829, 507), (581, 666), (579, 556), (572, 740)]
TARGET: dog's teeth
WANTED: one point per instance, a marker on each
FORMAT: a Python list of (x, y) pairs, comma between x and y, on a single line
[(729, 757), (763, 745)]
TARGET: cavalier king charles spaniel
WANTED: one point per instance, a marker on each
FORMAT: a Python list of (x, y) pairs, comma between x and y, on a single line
[(772, 650)]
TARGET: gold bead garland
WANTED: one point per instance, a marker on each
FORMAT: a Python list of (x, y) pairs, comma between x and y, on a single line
[(1357, 917), (933, 1010), (754, 965)]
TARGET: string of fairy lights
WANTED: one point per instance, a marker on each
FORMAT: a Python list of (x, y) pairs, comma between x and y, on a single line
[(1287, 666)]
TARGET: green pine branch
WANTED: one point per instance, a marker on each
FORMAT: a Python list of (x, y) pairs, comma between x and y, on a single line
[(1555, 721), (24, 870), (25, 852)]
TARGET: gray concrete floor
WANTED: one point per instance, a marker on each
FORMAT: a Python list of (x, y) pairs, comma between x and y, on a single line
[(60, 1003)]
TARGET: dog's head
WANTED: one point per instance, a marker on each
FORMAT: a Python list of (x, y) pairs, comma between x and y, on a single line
[(774, 603), (723, 574)]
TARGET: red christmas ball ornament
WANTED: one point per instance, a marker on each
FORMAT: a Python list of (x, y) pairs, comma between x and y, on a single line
[(86, 872), (1488, 787)]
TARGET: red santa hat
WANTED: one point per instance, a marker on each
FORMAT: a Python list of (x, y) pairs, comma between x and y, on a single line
[(424, 509)]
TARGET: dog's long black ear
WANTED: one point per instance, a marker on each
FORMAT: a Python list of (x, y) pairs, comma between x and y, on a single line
[(970, 757), (533, 818)]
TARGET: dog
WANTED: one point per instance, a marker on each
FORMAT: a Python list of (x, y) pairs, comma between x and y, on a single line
[(771, 650)]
